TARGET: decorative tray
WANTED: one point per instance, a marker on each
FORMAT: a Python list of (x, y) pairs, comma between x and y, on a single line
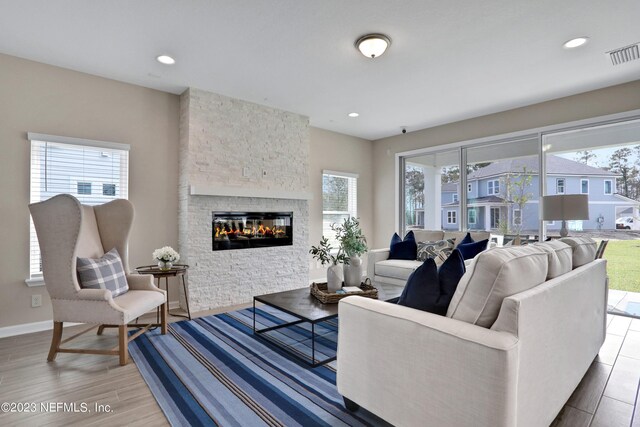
[(319, 291)]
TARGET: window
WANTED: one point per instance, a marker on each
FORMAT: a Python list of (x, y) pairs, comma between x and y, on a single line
[(493, 187), (517, 217), (494, 217), (83, 188), (451, 217), (584, 186), (76, 166), (472, 216), (469, 188), (560, 186), (454, 197), (339, 201), (608, 186), (108, 189)]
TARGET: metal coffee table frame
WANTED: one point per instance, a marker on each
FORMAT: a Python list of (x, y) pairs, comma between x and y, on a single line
[(316, 312), (259, 332)]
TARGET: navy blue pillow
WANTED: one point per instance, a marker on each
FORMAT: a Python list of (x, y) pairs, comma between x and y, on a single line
[(431, 289), (467, 239), (403, 249), (470, 250)]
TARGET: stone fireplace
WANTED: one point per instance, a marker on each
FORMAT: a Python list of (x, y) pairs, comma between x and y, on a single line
[(238, 159)]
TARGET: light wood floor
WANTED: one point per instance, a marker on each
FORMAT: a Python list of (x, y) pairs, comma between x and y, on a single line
[(605, 397)]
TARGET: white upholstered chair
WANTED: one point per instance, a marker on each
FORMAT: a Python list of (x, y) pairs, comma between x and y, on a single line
[(66, 230)]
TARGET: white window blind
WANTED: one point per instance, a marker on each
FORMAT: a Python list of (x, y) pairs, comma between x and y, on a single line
[(339, 201), (93, 171)]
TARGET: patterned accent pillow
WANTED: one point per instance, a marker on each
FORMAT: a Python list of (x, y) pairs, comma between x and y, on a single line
[(106, 272), (440, 249)]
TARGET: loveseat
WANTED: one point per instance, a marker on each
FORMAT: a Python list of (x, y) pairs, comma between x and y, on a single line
[(524, 325), (381, 269)]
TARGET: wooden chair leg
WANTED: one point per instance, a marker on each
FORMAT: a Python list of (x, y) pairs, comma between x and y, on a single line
[(123, 341), (163, 318), (100, 329), (55, 341)]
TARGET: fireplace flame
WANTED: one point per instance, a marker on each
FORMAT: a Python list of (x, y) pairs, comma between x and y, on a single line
[(261, 231)]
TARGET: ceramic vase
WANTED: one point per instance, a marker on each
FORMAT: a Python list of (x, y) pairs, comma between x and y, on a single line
[(334, 278), (353, 271)]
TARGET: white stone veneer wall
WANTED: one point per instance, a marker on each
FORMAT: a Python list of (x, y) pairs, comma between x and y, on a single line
[(219, 137)]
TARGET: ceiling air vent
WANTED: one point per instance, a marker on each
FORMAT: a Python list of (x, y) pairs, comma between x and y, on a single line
[(624, 54)]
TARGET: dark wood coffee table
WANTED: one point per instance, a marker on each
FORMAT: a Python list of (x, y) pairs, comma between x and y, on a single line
[(306, 308)]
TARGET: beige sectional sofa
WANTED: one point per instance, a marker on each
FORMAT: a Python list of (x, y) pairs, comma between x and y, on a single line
[(522, 329), (381, 269)]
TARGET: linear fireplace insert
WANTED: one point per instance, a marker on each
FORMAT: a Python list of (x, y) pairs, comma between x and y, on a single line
[(243, 230)]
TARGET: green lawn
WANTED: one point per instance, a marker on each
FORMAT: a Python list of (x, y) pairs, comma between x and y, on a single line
[(623, 264)]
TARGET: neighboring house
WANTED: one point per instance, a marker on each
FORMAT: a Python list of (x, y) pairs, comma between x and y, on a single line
[(489, 205)]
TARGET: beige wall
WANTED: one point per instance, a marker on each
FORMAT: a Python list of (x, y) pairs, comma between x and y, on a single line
[(601, 102), (342, 153), (40, 98)]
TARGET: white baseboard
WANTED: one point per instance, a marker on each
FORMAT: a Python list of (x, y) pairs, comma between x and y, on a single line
[(46, 325), (28, 328)]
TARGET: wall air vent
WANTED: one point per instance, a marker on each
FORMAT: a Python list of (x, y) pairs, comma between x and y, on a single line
[(624, 54)]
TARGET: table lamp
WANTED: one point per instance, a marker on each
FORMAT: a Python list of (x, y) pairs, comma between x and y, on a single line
[(565, 207)]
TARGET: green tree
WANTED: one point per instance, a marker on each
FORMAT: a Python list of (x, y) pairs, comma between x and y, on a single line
[(516, 193), (335, 193), (621, 164), (585, 156)]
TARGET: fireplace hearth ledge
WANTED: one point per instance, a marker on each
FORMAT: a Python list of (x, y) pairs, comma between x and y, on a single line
[(249, 192)]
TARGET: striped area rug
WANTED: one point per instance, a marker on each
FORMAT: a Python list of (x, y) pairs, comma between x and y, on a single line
[(214, 371)]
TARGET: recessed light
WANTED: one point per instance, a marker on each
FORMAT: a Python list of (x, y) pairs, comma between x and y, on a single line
[(353, 114), (578, 41), (166, 60)]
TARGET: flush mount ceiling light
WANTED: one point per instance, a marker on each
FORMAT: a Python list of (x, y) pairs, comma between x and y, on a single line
[(577, 42), (166, 60), (373, 45), (353, 114)]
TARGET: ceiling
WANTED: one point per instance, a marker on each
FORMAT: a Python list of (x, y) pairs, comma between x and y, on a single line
[(449, 60)]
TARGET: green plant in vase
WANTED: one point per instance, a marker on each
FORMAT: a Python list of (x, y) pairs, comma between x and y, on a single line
[(322, 253), (354, 244)]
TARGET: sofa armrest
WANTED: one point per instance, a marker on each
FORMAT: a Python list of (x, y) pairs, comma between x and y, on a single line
[(408, 366), (374, 256)]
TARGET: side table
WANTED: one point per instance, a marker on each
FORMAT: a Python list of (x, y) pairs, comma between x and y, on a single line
[(178, 270)]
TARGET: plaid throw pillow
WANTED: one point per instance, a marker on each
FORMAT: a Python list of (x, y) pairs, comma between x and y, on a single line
[(106, 272), (440, 249)]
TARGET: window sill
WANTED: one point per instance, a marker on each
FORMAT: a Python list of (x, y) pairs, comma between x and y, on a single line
[(34, 282)]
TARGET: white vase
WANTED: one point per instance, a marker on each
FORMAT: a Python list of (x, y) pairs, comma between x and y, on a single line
[(353, 271), (334, 278)]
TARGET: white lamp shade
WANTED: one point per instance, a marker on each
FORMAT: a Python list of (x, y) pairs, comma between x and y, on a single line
[(373, 45), (565, 207)]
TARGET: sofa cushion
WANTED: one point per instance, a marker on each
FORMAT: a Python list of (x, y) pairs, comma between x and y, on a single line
[(466, 240), (494, 275), (470, 250), (559, 255), (396, 268), (403, 249), (584, 249), (428, 235), (430, 288)]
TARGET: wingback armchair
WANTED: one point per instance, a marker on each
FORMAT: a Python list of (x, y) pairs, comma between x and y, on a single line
[(66, 230)]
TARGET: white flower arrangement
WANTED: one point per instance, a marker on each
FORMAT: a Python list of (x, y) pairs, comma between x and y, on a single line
[(166, 254)]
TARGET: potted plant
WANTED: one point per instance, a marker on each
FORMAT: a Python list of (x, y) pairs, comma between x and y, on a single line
[(322, 253), (354, 244)]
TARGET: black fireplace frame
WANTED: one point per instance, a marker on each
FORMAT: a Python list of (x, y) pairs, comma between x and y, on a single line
[(252, 242)]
